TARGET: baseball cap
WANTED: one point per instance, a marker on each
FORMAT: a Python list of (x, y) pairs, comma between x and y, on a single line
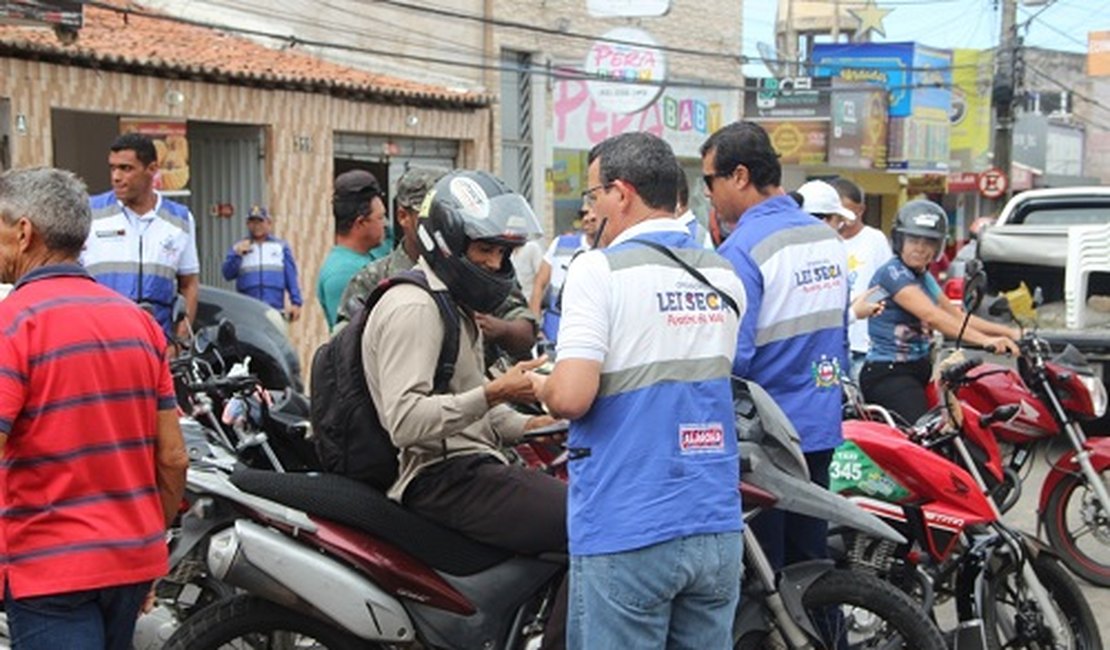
[(258, 212), (415, 184), (357, 182), (822, 198)]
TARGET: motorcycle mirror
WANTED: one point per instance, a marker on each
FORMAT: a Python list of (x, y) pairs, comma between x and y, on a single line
[(974, 285), (203, 340), (179, 311), (225, 334)]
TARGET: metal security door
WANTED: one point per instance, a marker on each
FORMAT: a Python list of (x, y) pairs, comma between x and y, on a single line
[(225, 164)]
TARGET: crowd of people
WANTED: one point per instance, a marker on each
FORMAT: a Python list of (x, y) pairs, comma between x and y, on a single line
[(646, 317)]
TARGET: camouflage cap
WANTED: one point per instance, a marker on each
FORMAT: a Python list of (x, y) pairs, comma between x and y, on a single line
[(415, 184)]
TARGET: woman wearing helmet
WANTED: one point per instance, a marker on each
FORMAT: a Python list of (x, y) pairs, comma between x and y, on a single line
[(898, 365)]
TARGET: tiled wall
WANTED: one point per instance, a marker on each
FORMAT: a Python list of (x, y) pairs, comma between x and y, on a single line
[(298, 182)]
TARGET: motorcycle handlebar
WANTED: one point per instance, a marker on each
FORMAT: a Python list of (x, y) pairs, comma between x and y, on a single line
[(225, 384)]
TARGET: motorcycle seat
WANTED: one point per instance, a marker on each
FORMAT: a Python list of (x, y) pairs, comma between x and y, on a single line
[(352, 503)]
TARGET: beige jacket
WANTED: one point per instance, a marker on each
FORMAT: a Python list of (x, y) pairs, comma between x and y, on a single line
[(400, 347)]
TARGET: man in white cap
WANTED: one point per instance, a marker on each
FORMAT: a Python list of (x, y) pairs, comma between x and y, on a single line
[(822, 201), (868, 249)]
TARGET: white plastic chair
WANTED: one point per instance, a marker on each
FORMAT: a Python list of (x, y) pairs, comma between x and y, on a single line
[(1088, 252)]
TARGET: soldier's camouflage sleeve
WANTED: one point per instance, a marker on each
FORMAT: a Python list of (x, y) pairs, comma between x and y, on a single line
[(359, 287)]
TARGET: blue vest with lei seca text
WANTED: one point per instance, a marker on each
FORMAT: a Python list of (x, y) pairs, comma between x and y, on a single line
[(655, 457)]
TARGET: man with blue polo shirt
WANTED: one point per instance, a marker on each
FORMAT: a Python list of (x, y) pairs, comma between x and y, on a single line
[(644, 353), (141, 244), (262, 265), (793, 337)]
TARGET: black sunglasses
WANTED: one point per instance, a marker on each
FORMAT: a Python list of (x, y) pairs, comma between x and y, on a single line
[(709, 178)]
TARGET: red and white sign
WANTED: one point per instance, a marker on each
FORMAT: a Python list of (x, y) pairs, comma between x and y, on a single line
[(963, 182), (993, 183), (701, 438)]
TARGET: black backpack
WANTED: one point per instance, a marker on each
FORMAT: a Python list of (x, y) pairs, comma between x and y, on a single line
[(350, 439)]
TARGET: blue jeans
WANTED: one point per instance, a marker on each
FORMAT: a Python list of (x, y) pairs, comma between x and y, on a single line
[(97, 619), (682, 593)]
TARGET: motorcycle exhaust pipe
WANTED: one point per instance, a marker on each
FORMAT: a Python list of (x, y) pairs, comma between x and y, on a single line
[(271, 565)]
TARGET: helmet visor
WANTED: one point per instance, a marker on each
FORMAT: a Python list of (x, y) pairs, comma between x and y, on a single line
[(928, 233), (506, 218)]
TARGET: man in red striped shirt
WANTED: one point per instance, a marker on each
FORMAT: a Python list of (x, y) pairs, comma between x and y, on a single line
[(93, 463)]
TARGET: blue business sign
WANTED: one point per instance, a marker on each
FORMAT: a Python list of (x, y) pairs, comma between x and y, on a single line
[(916, 78)]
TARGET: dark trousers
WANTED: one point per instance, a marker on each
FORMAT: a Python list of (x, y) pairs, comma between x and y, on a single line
[(787, 537), (507, 506), (96, 619), (898, 385)]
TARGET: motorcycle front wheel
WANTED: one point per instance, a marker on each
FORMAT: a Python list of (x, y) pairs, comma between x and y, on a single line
[(1012, 619), (857, 610), (1078, 527), (246, 621)]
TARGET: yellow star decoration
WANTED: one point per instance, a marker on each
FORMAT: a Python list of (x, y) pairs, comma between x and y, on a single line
[(870, 18)]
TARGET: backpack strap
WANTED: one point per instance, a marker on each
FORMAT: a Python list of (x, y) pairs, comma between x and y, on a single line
[(698, 275), (449, 351)]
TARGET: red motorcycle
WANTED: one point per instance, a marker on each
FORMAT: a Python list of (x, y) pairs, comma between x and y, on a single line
[(1046, 396), (1008, 590)]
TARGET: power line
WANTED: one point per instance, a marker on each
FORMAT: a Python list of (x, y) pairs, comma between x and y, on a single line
[(552, 31), (741, 58), (1044, 23), (556, 73), (1090, 100), (1025, 23)]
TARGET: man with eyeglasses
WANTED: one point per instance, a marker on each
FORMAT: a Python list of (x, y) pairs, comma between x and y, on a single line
[(793, 337), (548, 283), (642, 371), (359, 226)]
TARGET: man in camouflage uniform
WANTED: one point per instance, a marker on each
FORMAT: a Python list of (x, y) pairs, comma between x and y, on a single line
[(510, 329)]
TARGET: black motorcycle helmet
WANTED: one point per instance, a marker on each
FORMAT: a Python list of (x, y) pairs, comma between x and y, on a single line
[(920, 218), (466, 206)]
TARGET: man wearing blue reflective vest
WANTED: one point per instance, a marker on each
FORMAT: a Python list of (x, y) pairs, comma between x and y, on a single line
[(645, 347), (141, 244), (262, 266), (793, 338)]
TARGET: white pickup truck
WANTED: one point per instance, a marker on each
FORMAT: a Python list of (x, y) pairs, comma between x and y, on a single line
[(1029, 242)]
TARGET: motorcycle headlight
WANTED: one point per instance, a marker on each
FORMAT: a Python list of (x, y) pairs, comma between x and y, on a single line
[(1097, 392)]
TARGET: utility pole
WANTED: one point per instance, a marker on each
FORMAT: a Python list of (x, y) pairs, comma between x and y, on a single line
[(1003, 93), (791, 53)]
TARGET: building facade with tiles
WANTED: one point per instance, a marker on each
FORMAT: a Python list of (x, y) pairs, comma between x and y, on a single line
[(532, 55), (267, 135), (483, 83)]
